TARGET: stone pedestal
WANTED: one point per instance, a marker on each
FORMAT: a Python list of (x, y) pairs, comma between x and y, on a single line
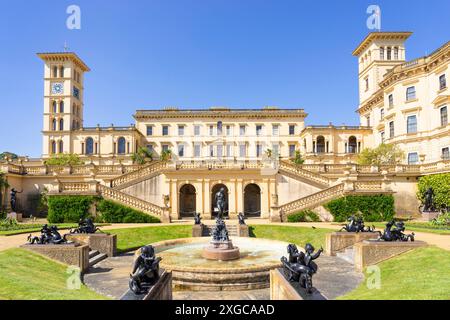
[(282, 289), (338, 241), (15, 215), (197, 230), (221, 250), (162, 290), (370, 252), (243, 230), (102, 242), (72, 254)]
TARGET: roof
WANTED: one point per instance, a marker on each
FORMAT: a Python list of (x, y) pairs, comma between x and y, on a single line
[(400, 35), (62, 56)]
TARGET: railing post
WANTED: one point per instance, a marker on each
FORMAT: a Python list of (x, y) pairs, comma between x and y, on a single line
[(275, 214)]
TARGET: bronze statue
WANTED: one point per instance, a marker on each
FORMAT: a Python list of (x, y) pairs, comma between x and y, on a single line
[(220, 232), (13, 200), (220, 200), (429, 205), (197, 218), (241, 218), (85, 226), (300, 267), (145, 271), (356, 225), (394, 231), (49, 235)]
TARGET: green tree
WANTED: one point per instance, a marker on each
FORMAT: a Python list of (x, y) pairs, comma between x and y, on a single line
[(142, 156), (9, 155), (64, 159), (297, 159), (384, 154), (166, 155)]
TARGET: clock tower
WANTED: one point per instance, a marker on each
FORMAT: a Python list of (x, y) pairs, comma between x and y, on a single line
[(63, 100)]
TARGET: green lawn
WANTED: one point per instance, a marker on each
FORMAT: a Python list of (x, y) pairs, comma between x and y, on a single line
[(28, 276), (134, 238), (421, 274), (297, 235)]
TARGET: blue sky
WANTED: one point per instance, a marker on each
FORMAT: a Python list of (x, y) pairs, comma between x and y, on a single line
[(197, 54)]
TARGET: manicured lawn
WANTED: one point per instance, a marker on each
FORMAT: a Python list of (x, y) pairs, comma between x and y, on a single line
[(28, 276), (134, 238), (297, 235), (422, 274)]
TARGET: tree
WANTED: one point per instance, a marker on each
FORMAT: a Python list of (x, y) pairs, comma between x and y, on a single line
[(8, 155), (298, 160), (64, 159), (142, 156), (384, 154), (166, 155)]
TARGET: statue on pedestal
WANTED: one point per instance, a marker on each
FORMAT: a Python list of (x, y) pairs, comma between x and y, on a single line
[(49, 235), (145, 271), (394, 231), (429, 205), (197, 218), (220, 200), (356, 224), (13, 199), (241, 218), (85, 226)]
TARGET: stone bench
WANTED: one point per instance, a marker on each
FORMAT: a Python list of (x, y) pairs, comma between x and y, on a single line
[(72, 254), (372, 252), (162, 290), (338, 241), (102, 242)]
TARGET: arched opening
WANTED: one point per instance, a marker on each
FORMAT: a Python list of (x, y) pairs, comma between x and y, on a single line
[(121, 145), (187, 200), (320, 144), (61, 107), (352, 145), (53, 147), (61, 146), (215, 189), (252, 200), (61, 124), (54, 124), (89, 146)]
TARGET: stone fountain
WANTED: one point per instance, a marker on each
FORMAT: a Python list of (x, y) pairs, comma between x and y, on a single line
[(221, 247)]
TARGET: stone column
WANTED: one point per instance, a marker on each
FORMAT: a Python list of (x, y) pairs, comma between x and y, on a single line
[(239, 196), (232, 199), (207, 199), (265, 199), (198, 184), (174, 199)]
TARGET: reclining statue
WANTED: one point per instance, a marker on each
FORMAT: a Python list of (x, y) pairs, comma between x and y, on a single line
[(49, 235), (85, 226), (145, 271), (300, 267), (394, 231), (356, 224)]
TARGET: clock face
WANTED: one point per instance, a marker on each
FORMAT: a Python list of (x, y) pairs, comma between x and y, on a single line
[(57, 88)]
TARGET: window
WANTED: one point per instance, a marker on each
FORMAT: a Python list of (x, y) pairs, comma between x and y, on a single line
[(197, 150), (219, 151), (382, 53), (165, 130), (445, 153), (54, 124), (242, 130), (181, 130), (275, 130), (444, 116), (211, 130), (381, 113), (367, 83), (442, 82), (55, 72), (413, 158), (121, 145), (320, 144), (396, 53), (53, 147), (61, 146), (61, 124), (258, 150), (242, 150), (382, 136), (412, 124), (165, 147), (258, 130), (61, 107), (229, 131), (391, 129), (181, 150), (149, 130), (410, 93), (391, 100), (219, 128), (61, 72), (55, 110), (292, 150), (389, 53), (368, 121), (211, 151), (352, 145), (291, 129), (196, 130), (229, 150), (275, 150), (89, 146)]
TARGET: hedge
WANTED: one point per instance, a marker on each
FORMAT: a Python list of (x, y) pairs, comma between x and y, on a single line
[(113, 212), (441, 188), (375, 208), (68, 208), (303, 216)]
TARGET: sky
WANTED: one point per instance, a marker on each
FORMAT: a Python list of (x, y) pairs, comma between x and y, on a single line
[(197, 54)]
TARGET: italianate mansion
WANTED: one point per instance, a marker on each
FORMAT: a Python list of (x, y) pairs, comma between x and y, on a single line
[(248, 151)]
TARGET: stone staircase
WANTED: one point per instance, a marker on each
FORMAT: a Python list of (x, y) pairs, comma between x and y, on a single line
[(151, 170), (95, 257), (348, 254), (232, 230), (297, 172)]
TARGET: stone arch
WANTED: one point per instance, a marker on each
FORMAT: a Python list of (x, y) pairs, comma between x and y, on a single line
[(252, 200), (187, 200)]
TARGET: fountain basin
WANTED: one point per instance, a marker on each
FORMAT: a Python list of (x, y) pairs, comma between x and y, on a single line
[(221, 250), (191, 271)]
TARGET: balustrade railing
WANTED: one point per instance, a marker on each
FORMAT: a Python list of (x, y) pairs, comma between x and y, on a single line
[(143, 172), (299, 171)]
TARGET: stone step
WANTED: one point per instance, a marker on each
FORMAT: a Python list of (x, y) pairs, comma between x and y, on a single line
[(97, 258), (93, 253), (347, 254)]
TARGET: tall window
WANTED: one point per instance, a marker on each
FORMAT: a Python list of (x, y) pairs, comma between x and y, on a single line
[(320, 144), (229, 130), (258, 130), (61, 107), (444, 116), (61, 146), (242, 150), (368, 121), (219, 151), (391, 100), (259, 150), (446, 153), (54, 124), (61, 124), (211, 130), (382, 53), (396, 53), (410, 93), (389, 53), (196, 130), (197, 150), (55, 72), (165, 147), (211, 150), (391, 129), (229, 150), (89, 146), (442, 82), (53, 147), (352, 145), (275, 149), (242, 130), (61, 72), (181, 130), (219, 128), (275, 130), (367, 83), (412, 124), (121, 145), (165, 130), (55, 110), (181, 150), (150, 148), (381, 113), (291, 130), (413, 158), (292, 150), (149, 130)]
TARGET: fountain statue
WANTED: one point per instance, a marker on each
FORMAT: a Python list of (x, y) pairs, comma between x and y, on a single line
[(220, 200), (145, 271), (356, 225), (49, 235), (300, 267), (395, 234)]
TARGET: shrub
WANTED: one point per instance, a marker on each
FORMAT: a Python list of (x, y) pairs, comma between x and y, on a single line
[(375, 208), (441, 188), (64, 159), (68, 208), (384, 154), (304, 216), (112, 212)]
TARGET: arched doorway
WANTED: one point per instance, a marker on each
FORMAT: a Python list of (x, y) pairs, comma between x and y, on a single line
[(320, 144), (187, 200), (214, 190), (352, 145), (252, 200)]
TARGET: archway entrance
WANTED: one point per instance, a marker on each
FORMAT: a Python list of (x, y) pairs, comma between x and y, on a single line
[(252, 200), (215, 189), (187, 200)]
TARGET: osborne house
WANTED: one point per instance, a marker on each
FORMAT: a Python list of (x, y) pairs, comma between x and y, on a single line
[(248, 152)]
